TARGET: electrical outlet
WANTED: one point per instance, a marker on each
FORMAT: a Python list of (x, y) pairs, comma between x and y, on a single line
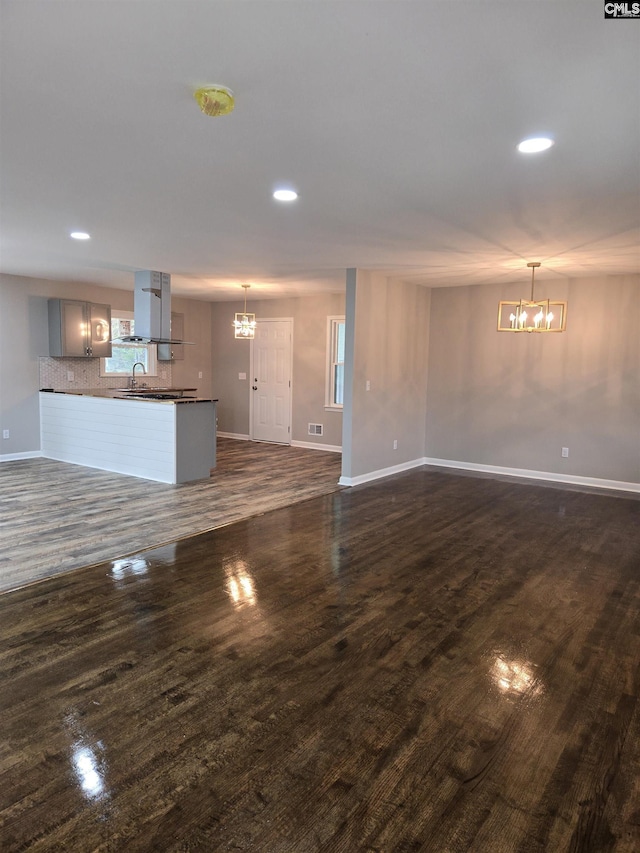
[(199, 374), (69, 375), (565, 452), (368, 385), (395, 443), (5, 433)]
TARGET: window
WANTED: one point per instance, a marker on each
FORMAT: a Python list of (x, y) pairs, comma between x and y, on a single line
[(335, 363), (124, 356)]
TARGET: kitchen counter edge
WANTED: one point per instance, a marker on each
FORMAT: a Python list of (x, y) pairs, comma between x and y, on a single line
[(113, 394)]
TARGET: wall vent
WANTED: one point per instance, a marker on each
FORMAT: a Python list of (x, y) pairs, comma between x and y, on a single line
[(315, 429)]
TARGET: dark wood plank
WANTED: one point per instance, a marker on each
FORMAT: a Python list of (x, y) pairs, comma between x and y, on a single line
[(426, 663)]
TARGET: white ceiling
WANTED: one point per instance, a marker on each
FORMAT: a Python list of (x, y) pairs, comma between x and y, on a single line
[(396, 121)]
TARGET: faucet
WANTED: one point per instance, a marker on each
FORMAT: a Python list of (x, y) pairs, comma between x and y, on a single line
[(132, 379)]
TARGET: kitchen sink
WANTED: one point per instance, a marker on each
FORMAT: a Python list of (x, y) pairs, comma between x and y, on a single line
[(162, 395), (156, 393)]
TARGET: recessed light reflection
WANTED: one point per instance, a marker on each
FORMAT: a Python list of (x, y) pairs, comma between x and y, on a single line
[(515, 676), (535, 145), (87, 770), (285, 195), (80, 235), (87, 759), (239, 584)]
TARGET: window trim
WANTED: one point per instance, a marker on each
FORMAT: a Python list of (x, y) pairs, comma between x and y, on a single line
[(152, 353), (332, 322)]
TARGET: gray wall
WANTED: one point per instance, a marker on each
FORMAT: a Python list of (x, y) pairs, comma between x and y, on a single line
[(389, 339), (232, 357), (514, 400), (24, 338), (197, 358)]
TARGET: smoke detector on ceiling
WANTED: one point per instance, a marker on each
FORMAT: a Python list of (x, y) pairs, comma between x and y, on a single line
[(215, 100)]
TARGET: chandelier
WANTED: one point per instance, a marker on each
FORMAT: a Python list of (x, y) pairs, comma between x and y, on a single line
[(532, 315), (245, 324)]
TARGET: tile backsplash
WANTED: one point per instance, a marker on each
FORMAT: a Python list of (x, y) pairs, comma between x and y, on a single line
[(55, 373)]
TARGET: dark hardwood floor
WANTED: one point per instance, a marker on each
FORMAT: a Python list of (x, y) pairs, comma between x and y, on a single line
[(55, 517), (430, 662)]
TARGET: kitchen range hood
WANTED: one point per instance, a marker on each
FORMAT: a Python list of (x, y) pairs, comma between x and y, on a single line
[(152, 311)]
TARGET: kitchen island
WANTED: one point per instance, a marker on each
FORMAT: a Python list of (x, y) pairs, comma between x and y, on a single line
[(168, 440)]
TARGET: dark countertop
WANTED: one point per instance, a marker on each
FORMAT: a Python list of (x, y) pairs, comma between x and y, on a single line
[(118, 394)]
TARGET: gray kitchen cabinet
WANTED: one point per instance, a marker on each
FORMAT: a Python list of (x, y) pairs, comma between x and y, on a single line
[(79, 329)]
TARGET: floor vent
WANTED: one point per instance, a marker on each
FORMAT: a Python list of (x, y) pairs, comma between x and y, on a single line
[(315, 429)]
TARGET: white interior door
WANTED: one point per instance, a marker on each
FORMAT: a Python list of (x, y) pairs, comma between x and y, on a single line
[(271, 381)]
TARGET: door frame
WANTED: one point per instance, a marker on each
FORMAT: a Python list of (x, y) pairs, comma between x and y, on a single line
[(252, 374)]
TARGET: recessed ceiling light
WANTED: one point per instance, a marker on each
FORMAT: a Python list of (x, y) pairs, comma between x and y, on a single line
[(285, 195), (535, 144), (80, 235)]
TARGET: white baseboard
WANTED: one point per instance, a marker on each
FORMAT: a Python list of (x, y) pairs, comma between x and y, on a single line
[(312, 445), (548, 476), (569, 479), (28, 454), (309, 445), (238, 436), (381, 472)]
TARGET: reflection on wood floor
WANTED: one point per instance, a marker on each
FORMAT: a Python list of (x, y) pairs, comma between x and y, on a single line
[(55, 516), (426, 663)]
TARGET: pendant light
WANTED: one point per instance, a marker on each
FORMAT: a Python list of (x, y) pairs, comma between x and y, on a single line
[(245, 324), (532, 315)]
